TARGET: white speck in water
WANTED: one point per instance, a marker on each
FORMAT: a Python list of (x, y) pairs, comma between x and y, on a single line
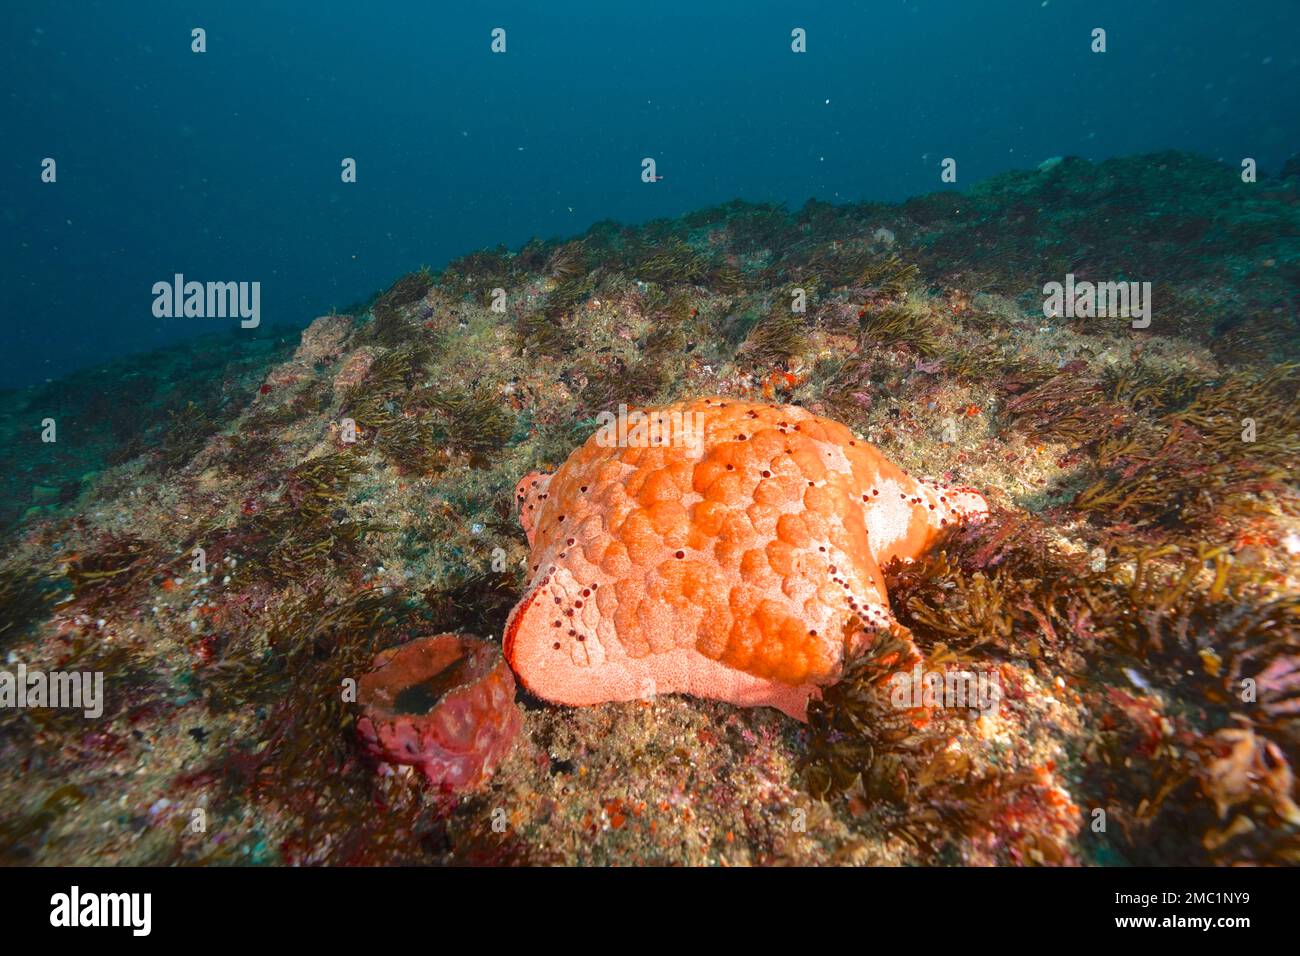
[(1138, 680)]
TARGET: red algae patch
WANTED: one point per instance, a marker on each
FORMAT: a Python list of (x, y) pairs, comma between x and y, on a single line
[(444, 705)]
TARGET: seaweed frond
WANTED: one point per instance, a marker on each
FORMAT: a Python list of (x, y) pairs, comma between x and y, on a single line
[(106, 573), (303, 530), (474, 421), (25, 597), (375, 401), (890, 276), (187, 430), (478, 271), (21, 833), (1070, 406), (673, 264), (474, 604), (855, 731), (410, 288), (411, 444), (906, 324), (544, 333), (1234, 441), (390, 327), (778, 337)]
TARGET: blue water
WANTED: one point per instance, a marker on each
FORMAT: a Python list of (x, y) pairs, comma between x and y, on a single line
[(225, 166)]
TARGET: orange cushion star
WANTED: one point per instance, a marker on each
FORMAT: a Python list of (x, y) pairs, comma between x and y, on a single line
[(716, 548)]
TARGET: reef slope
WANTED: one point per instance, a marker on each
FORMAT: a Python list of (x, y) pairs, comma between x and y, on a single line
[(231, 544)]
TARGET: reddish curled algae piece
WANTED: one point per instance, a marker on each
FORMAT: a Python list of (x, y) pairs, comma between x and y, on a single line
[(717, 548), (443, 704)]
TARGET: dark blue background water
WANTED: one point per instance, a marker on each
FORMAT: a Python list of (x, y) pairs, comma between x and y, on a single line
[(225, 165)]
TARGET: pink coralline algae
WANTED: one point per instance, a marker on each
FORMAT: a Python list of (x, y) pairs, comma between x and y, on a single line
[(354, 370), (444, 705)]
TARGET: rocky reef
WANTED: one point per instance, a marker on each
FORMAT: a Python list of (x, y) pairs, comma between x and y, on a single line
[(236, 533)]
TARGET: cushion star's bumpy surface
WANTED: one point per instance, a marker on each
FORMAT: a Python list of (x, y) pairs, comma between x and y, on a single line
[(740, 565)]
